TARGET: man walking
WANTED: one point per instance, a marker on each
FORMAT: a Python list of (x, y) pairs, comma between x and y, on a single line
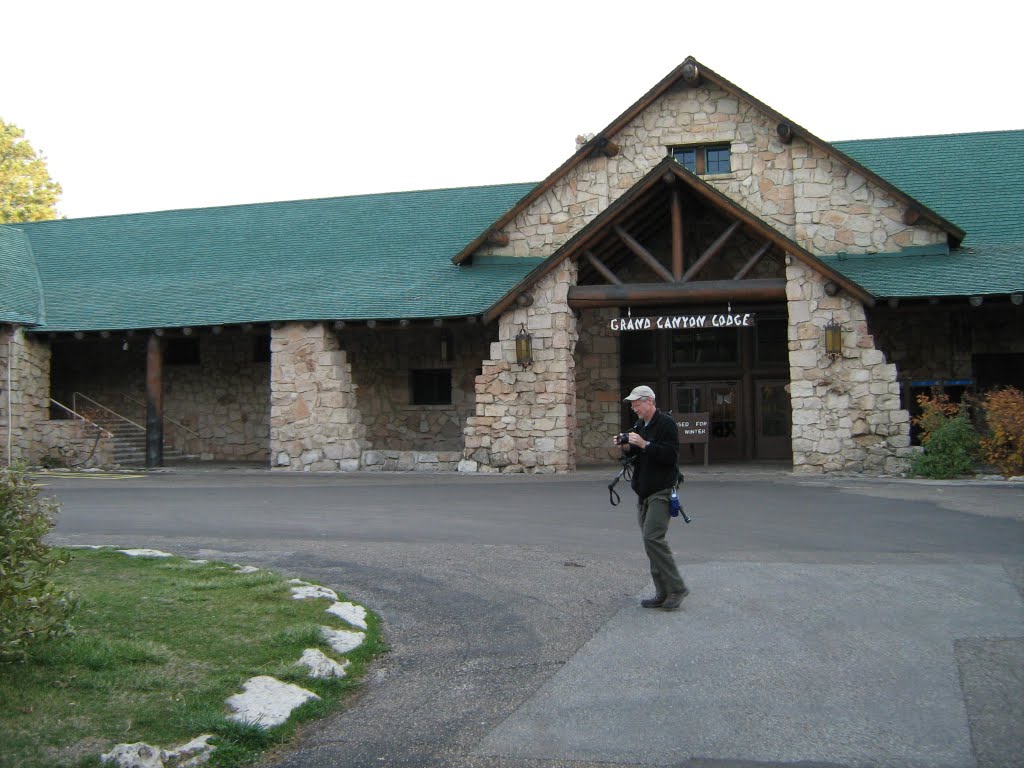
[(654, 446)]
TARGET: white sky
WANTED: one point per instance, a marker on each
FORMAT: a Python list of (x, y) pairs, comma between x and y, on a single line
[(152, 105)]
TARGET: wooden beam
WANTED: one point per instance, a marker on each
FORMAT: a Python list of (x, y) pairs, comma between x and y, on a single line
[(785, 132), (676, 216), (606, 147), (911, 216), (644, 255), (691, 73), (597, 264), (497, 237), (698, 292), (711, 252), (752, 261)]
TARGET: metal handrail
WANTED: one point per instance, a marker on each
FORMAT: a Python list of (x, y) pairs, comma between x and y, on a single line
[(74, 404), (175, 423), (103, 432)]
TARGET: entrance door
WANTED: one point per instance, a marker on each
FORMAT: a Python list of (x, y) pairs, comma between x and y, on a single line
[(721, 400), (772, 435)]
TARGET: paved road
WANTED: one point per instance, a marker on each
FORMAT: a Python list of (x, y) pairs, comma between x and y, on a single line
[(832, 621)]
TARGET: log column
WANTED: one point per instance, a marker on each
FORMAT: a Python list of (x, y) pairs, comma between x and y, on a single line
[(154, 402)]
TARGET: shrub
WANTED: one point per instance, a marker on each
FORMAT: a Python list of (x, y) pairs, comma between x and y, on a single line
[(31, 607), (1003, 446), (935, 411), (950, 441)]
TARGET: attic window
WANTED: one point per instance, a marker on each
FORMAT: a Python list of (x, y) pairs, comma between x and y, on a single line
[(703, 159)]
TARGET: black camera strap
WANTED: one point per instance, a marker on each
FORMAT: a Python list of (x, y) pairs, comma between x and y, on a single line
[(627, 472)]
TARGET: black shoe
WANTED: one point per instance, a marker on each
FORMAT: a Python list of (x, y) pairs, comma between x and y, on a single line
[(653, 602), (674, 600)]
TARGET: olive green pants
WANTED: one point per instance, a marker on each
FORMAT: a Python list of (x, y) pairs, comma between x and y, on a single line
[(654, 517)]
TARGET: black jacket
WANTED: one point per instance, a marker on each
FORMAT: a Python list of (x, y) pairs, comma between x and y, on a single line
[(655, 467)]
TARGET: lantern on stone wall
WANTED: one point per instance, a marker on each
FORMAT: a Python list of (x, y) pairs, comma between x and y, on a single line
[(524, 347), (833, 339)]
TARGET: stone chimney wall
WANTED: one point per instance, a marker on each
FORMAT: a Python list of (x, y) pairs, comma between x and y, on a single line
[(525, 418), (315, 422), (846, 412)]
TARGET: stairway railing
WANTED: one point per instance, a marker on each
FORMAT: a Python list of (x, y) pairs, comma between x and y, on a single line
[(74, 404), (103, 432), (76, 396)]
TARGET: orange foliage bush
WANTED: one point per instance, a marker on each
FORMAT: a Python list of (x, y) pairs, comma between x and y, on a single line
[(1003, 446), (935, 411)]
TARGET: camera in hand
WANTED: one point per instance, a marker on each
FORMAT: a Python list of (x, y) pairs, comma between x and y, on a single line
[(623, 438)]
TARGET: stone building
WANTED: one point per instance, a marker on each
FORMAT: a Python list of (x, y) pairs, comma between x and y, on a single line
[(790, 294)]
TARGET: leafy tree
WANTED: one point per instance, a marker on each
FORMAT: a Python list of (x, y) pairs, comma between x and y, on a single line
[(27, 193)]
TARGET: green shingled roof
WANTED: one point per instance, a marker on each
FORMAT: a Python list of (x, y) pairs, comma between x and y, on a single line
[(21, 299), (348, 258), (975, 180), (389, 256)]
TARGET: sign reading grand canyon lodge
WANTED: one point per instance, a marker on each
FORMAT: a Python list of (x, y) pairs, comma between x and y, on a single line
[(683, 322)]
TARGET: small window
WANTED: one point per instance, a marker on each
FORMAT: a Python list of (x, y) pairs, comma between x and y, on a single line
[(432, 386), (703, 160), (181, 352)]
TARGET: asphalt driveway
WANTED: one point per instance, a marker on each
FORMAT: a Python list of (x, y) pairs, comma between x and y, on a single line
[(832, 621)]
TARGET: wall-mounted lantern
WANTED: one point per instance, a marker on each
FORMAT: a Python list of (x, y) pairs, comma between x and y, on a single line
[(524, 347), (833, 339)]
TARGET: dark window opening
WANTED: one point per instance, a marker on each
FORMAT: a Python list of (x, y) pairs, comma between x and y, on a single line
[(703, 160), (181, 352), (431, 386), (261, 348), (706, 347), (638, 348), (772, 340)]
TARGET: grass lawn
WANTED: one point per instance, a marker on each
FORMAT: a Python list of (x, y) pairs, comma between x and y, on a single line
[(160, 643)]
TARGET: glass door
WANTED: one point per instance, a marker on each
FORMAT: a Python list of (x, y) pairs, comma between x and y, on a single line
[(721, 400)]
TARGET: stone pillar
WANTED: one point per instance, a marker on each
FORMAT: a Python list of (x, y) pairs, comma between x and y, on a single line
[(315, 423), (25, 385), (846, 412), (598, 375), (525, 419)]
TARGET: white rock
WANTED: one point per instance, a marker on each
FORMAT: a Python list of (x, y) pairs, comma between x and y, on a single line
[(137, 755), (246, 568), (353, 614), (267, 701), (313, 591), (145, 553), (320, 665), (341, 640), (196, 752)]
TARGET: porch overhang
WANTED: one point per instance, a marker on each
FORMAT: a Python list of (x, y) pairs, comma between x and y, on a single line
[(677, 285)]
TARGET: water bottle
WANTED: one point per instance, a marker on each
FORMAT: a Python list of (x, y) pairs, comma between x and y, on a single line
[(673, 503)]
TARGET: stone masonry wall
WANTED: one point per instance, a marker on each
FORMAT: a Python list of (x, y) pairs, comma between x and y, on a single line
[(315, 423), (25, 385), (798, 189), (846, 412), (526, 418), (382, 362), (598, 401)]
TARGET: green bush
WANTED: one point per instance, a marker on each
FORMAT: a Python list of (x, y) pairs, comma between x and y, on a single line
[(950, 451), (32, 608)]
